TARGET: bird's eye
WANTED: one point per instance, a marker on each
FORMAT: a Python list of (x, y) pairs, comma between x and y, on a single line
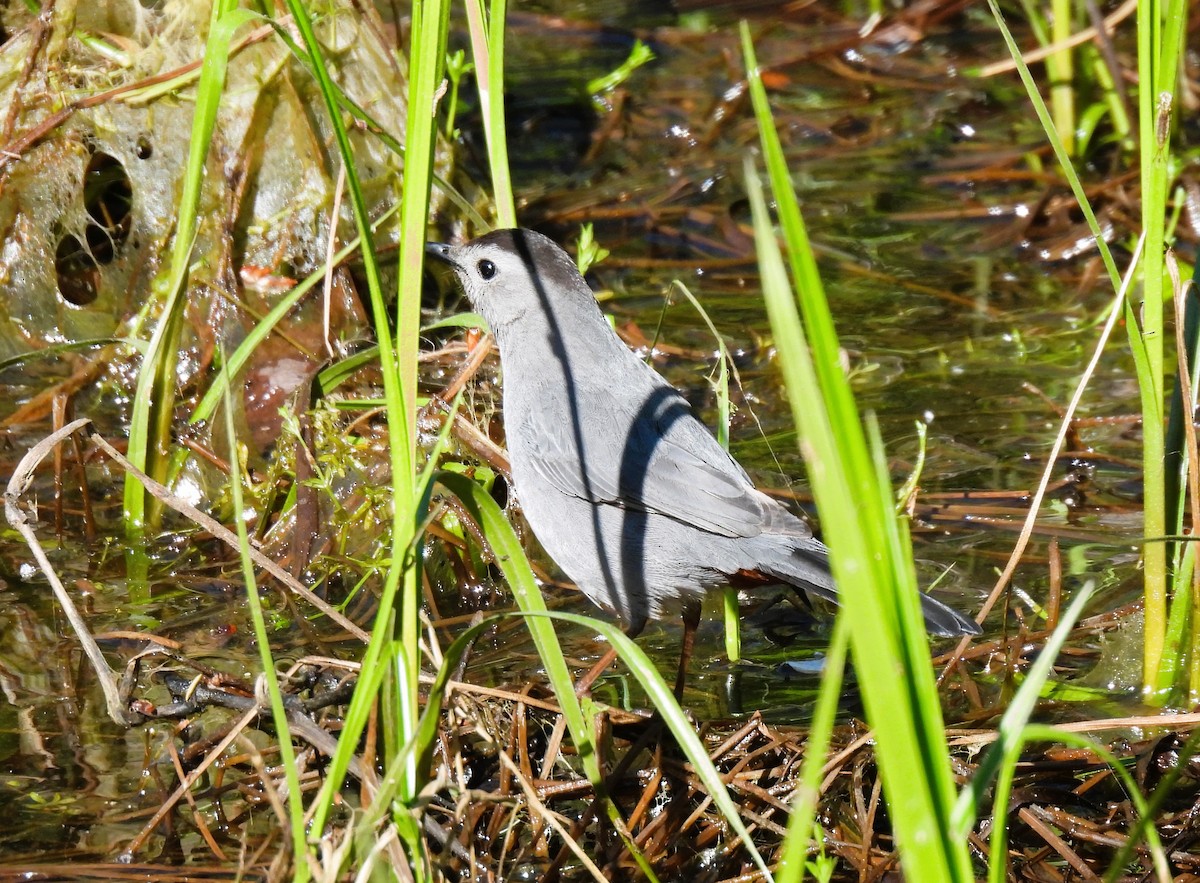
[(486, 269)]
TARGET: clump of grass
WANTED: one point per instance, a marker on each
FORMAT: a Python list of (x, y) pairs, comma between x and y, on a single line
[(872, 561), (392, 661), (869, 548)]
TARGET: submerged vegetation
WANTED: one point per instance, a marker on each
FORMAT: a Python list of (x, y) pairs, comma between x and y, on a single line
[(231, 228)]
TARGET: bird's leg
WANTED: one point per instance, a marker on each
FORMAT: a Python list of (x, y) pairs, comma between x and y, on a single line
[(691, 620), (585, 683)]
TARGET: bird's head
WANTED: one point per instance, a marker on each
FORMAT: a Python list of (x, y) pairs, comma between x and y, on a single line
[(511, 275)]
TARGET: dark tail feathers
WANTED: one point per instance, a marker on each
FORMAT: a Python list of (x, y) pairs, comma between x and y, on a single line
[(807, 569), (946, 621)]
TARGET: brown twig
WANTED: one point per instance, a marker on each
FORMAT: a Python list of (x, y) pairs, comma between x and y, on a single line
[(244, 721), (218, 530)]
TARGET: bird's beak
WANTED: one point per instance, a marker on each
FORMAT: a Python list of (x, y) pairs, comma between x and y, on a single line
[(439, 251)]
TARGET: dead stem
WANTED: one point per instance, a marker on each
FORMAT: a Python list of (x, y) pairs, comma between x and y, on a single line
[(14, 511), (218, 530)]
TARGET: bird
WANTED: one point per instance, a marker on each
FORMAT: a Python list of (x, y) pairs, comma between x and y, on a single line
[(626, 489)]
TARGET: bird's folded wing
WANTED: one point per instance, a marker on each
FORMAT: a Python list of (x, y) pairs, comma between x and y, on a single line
[(667, 463)]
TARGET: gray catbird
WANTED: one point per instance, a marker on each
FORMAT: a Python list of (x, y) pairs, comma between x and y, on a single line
[(626, 490)]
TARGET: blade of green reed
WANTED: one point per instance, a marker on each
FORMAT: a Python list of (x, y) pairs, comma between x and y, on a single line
[(1016, 716), (1187, 335), (511, 559), (1160, 44), (998, 870), (287, 753), (677, 722), (486, 23), (55, 350), (908, 491), (154, 395), (911, 747), (816, 751), (1051, 26), (1060, 69), (1142, 807), (869, 552), (1143, 825), (1173, 661), (1060, 151), (418, 750), (430, 23), (1015, 731), (729, 596)]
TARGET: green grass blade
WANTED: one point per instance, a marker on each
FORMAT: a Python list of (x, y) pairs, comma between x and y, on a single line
[(512, 561), (1144, 327), (869, 553), (427, 54), (510, 557), (1147, 814), (154, 395), (1016, 716), (398, 354), (486, 23), (1060, 69), (677, 722), (1159, 48), (730, 612), (1062, 155), (57, 349), (287, 753), (912, 752)]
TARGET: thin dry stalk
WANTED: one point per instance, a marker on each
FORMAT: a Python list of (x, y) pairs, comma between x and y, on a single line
[(184, 786), (1114, 18), (197, 816), (22, 478), (1035, 503), (162, 493), (539, 810)]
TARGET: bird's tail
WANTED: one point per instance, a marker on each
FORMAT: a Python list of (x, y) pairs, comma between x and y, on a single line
[(946, 621), (807, 569)]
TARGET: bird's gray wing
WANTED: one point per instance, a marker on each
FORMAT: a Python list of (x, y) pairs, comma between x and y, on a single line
[(660, 459)]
